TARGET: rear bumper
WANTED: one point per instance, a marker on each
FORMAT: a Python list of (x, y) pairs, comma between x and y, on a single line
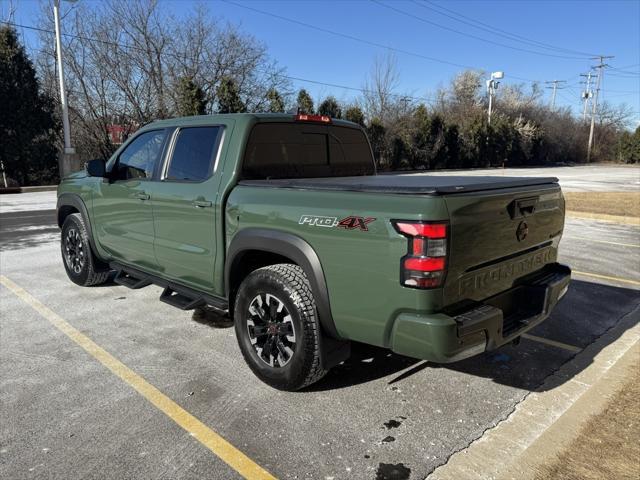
[(446, 338)]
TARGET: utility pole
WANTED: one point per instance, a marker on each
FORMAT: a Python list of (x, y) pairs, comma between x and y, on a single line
[(586, 94), (555, 88), (594, 104)]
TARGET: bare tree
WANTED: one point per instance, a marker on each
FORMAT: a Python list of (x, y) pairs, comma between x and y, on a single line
[(464, 99), (379, 100), (124, 61), (8, 10)]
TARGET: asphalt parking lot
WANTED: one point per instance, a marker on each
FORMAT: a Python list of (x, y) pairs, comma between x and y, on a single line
[(64, 415)]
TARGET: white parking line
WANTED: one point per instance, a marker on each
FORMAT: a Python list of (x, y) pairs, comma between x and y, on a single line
[(606, 277), (603, 241), (553, 343)]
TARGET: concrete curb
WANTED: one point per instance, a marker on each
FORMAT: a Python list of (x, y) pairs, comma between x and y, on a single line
[(549, 418), (40, 188), (604, 217), (568, 427)]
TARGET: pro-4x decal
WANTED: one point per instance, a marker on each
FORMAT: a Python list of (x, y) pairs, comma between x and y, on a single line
[(351, 223), (348, 223), (318, 221)]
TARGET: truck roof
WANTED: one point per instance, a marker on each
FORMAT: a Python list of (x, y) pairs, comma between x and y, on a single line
[(238, 118)]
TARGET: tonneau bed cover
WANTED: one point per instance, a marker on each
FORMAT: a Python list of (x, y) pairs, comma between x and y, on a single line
[(404, 183)]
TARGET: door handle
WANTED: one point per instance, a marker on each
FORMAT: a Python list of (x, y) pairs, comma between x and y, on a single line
[(202, 203), (142, 196)]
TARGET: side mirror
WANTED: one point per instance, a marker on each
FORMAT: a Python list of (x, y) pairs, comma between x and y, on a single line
[(96, 168)]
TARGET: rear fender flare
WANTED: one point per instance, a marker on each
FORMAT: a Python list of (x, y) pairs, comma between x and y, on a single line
[(290, 246)]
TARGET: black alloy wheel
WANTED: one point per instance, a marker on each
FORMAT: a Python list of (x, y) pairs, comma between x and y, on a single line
[(271, 330)]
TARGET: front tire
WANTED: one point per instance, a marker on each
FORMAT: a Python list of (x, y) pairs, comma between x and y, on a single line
[(80, 263), (277, 327)]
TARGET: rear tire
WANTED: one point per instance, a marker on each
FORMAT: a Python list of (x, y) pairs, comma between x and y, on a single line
[(82, 266), (277, 327)]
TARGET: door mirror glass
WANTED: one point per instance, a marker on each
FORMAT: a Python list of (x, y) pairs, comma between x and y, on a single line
[(96, 168)]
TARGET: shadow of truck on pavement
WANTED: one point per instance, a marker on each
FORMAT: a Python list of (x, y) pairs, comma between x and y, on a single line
[(588, 311)]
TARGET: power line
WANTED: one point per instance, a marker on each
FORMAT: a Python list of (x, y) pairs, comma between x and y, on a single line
[(624, 75), (429, 22), (345, 35), (497, 31), (635, 92), (622, 95), (626, 66), (570, 100), (275, 74), (281, 75), (362, 90), (360, 40)]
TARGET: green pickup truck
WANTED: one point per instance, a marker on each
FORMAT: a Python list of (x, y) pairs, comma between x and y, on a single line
[(282, 223)]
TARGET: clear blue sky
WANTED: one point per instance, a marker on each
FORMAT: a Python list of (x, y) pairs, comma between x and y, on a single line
[(598, 27)]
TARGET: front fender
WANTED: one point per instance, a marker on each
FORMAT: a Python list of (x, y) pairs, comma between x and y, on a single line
[(74, 201)]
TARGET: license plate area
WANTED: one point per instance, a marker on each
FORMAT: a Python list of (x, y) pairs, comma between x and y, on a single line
[(520, 306)]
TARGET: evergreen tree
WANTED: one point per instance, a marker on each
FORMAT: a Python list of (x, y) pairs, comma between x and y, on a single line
[(276, 103), (436, 142), (354, 114), (377, 137), (330, 107), (452, 142), (27, 123), (304, 102), (229, 97), (398, 153), (629, 147), (421, 143), (190, 98)]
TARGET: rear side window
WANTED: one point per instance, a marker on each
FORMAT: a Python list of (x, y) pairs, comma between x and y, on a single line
[(297, 150), (193, 154)]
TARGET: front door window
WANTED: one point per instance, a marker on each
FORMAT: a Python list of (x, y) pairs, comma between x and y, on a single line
[(139, 159)]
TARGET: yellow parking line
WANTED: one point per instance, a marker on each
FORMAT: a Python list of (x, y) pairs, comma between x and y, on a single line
[(607, 277), (205, 435), (553, 343)]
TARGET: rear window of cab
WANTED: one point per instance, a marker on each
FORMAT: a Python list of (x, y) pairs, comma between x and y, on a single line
[(304, 150)]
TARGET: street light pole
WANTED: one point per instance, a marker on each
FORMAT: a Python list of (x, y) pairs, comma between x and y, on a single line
[(492, 85), (68, 149)]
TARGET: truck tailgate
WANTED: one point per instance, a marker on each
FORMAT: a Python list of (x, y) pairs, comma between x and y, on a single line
[(497, 237)]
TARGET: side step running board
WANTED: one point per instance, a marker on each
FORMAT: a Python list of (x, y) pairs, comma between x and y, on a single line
[(174, 294), (181, 300), (129, 280)]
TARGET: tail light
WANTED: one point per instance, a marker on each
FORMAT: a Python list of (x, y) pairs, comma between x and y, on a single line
[(425, 263)]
